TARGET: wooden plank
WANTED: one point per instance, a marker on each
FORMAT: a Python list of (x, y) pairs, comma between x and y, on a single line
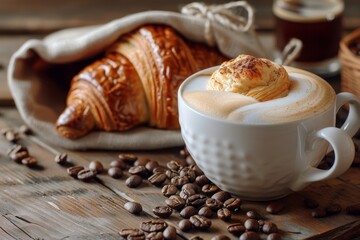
[(49, 204)]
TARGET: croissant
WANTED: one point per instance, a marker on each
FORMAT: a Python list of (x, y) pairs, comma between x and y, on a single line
[(135, 83)]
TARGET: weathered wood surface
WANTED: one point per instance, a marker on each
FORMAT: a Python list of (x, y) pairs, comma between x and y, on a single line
[(46, 203)]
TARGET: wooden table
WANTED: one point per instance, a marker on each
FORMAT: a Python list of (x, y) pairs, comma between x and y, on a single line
[(46, 203)]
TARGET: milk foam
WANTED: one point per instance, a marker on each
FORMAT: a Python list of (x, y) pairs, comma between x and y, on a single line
[(308, 96)]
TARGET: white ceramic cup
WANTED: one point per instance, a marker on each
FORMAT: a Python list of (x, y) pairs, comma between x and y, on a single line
[(267, 161)]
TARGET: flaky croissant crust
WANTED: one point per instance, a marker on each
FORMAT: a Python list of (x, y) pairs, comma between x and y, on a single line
[(135, 83)]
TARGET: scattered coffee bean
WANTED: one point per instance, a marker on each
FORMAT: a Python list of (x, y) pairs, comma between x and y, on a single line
[(206, 212), (133, 207), (155, 236), (25, 129), (74, 170), (196, 200), (133, 181), (141, 161), (190, 187), (154, 225), (275, 207), (120, 164), (29, 161), (173, 165), (210, 189), (222, 196), (269, 227), (353, 209), (310, 203), (189, 173), (12, 136), (170, 233), (253, 215), (175, 202), (115, 172), (128, 158), (96, 166), (202, 180), (233, 204), (224, 214), (236, 229), (162, 211), (136, 236), (188, 211), (185, 225), (138, 170), (251, 225), (274, 236), (213, 204), (86, 175), (171, 173), (318, 213), (61, 158), (189, 160), (179, 181), (333, 209), (197, 170), (220, 237), (249, 236), (127, 231), (151, 165), (169, 190), (18, 156), (185, 193), (200, 222), (159, 169), (157, 179)]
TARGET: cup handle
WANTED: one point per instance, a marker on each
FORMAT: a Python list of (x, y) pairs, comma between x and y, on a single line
[(344, 152), (352, 122)]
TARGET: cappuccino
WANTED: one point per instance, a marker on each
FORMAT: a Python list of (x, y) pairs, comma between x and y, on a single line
[(309, 95)]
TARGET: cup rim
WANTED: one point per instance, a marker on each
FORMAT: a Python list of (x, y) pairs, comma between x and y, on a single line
[(239, 123)]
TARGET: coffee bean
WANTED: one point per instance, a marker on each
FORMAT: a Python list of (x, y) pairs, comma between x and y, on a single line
[(185, 193), (154, 225), (333, 209), (202, 180), (29, 161), (128, 158), (213, 204), (233, 204), (310, 203), (269, 227), (224, 214), (196, 238), (275, 207), (189, 160), (86, 175), (175, 202), (162, 211), (236, 229), (253, 215), (169, 190), (74, 170), (185, 225), (16, 148), (220, 237), (96, 166), (155, 236), (133, 181), (120, 164), (25, 129), (159, 169), (12, 136), (170, 233), (151, 165), (274, 236), (222, 196), (18, 156), (200, 222), (157, 179), (173, 165), (179, 181), (133, 207), (353, 209), (196, 200), (318, 213), (115, 172), (136, 236), (189, 173), (61, 158), (249, 236), (251, 225), (127, 231), (141, 161), (188, 211), (138, 170), (171, 173), (190, 187), (197, 170), (184, 152), (206, 212)]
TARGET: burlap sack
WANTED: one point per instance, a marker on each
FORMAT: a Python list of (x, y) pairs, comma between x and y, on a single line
[(39, 70)]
